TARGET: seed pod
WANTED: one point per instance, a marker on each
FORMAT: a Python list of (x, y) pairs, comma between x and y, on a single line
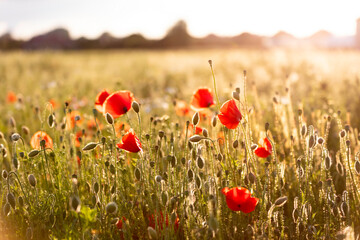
[(173, 161), (152, 233), (4, 174), (236, 95), (135, 106), (214, 121), (111, 208), (90, 146), (75, 203), (340, 168), (158, 178), (11, 199), (357, 167), (190, 174), (253, 147), (198, 181), (327, 162), (137, 174), (109, 118), (6, 209), (252, 178), (51, 120), (320, 140), (347, 143), (161, 134), (220, 157), (196, 138), (200, 162), (281, 201), (195, 119), (15, 137), (32, 180)]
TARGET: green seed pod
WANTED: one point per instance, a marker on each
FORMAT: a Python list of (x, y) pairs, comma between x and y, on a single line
[(109, 118), (11, 199), (281, 201), (111, 208), (137, 174), (90, 146), (32, 180), (135, 106)]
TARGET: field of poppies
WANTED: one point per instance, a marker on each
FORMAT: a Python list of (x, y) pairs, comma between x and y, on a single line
[(172, 145)]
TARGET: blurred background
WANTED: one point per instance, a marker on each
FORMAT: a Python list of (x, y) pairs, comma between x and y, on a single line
[(93, 24)]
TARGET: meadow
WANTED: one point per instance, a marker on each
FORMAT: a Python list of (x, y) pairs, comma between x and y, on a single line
[(268, 148)]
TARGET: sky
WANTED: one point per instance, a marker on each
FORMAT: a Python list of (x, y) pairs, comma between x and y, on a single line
[(152, 18)]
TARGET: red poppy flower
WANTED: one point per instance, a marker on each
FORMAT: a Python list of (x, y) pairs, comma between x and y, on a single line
[(37, 137), (119, 223), (70, 119), (53, 103), (100, 99), (182, 109), (230, 115), (160, 221), (201, 99), (130, 142), (264, 149), (11, 97), (221, 137), (118, 103), (78, 137), (239, 199), (198, 130)]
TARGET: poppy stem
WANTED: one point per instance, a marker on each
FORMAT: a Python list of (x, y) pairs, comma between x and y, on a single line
[(213, 75)]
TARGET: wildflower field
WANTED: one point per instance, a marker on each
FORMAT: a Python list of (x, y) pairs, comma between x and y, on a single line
[(187, 144)]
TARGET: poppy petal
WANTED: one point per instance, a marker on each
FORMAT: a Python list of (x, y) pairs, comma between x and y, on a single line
[(202, 99), (249, 205), (100, 99), (130, 142), (118, 103), (230, 116)]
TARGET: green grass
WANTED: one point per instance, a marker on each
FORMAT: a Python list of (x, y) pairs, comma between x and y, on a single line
[(322, 199)]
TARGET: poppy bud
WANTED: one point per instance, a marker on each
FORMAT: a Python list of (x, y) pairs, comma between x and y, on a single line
[(281, 201), (51, 120), (195, 119), (235, 143), (347, 143), (32, 180), (111, 208), (12, 122), (190, 175), (196, 138), (300, 112), (311, 141), (109, 118), (357, 167), (42, 143), (205, 132), (90, 146), (327, 162), (15, 137), (210, 63), (112, 169), (236, 95), (152, 233), (4, 174), (103, 140), (252, 178), (161, 134), (75, 203), (15, 162), (21, 201), (253, 147), (237, 90), (137, 174), (214, 121), (320, 140), (11, 199), (96, 187), (6, 209), (220, 157), (303, 130), (200, 162), (340, 168), (342, 133), (347, 128), (135, 106), (158, 178), (267, 125)]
